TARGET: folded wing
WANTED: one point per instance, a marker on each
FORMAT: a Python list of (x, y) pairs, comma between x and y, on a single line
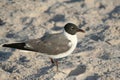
[(50, 44)]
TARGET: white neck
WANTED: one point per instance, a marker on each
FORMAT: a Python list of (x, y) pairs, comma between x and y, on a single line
[(72, 38)]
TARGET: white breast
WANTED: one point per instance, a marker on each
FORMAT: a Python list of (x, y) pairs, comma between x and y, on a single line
[(73, 43)]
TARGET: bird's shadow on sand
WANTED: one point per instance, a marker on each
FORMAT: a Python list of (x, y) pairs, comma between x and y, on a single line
[(40, 72), (5, 55)]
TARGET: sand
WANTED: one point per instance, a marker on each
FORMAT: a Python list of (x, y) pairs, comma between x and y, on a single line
[(96, 57)]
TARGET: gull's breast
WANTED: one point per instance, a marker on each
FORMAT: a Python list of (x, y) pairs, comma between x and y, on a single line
[(72, 44)]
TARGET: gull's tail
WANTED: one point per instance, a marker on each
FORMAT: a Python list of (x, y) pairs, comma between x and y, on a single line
[(21, 46)]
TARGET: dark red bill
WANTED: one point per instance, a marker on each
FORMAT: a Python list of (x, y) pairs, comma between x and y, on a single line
[(80, 30)]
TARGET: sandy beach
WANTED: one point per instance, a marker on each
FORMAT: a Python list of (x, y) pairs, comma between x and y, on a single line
[(97, 54)]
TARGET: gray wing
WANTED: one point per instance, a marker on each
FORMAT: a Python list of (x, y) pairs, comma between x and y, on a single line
[(49, 44)]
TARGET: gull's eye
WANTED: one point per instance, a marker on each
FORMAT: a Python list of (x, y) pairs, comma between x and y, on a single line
[(72, 27)]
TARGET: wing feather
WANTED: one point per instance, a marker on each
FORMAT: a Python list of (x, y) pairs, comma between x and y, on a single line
[(50, 44)]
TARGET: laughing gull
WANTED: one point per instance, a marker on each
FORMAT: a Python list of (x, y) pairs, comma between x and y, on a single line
[(55, 46)]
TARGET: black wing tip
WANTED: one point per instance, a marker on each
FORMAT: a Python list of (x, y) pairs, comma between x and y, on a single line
[(20, 46), (13, 45), (4, 45)]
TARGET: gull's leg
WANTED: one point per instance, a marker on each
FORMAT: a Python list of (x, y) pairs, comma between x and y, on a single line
[(52, 61), (56, 63)]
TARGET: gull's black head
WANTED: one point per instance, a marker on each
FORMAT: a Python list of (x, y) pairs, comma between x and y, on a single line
[(72, 29)]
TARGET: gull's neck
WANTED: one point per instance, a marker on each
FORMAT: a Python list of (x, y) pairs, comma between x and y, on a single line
[(70, 37)]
